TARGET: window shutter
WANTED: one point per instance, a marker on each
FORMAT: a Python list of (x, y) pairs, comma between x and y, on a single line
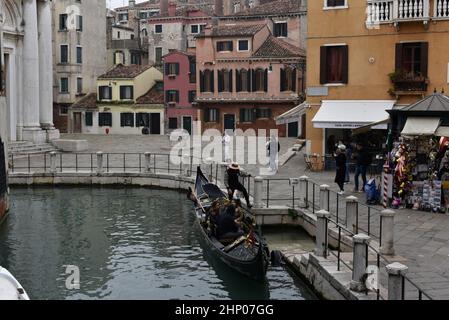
[(206, 115), (132, 119), (132, 92), (269, 113), (177, 96), (242, 115), (253, 114), (398, 58), (167, 96), (345, 71), (283, 78), (238, 85), (217, 112), (212, 81), (110, 93), (177, 68), (100, 119), (323, 65), (201, 81), (230, 81), (167, 69), (424, 58), (231, 46), (249, 79), (122, 119), (253, 80), (293, 81), (122, 92), (220, 80), (265, 80), (219, 46)]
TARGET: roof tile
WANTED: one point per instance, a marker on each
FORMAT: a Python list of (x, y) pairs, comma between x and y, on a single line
[(277, 48), (121, 71)]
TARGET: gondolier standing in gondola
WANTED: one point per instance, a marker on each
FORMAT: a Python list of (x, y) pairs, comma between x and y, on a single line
[(234, 183)]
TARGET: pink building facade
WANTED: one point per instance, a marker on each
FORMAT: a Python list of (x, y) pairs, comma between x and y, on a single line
[(180, 90)]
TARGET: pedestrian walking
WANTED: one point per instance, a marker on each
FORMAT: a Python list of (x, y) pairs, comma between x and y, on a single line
[(363, 160), (340, 163)]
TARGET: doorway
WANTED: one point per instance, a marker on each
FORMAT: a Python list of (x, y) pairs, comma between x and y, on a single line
[(229, 122), (293, 129), (77, 122), (187, 124), (155, 123)]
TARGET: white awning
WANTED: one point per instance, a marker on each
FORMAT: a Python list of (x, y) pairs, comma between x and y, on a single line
[(419, 126), (442, 132), (351, 114), (292, 115)]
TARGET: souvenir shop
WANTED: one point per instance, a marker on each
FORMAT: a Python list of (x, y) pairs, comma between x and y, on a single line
[(417, 166)]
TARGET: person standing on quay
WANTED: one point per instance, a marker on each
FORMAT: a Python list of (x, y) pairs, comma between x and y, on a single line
[(340, 162), (226, 143), (362, 162)]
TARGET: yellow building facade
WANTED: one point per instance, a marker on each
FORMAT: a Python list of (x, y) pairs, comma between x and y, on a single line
[(378, 52)]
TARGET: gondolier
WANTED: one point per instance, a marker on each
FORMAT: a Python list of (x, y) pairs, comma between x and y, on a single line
[(234, 183)]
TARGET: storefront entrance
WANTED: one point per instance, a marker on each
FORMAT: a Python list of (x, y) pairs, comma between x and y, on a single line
[(229, 122), (77, 122), (155, 123), (293, 129), (187, 124)]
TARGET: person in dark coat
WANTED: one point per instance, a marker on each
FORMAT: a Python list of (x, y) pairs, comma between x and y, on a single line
[(363, 159), (340, 161), (234, 183), (227, 227)]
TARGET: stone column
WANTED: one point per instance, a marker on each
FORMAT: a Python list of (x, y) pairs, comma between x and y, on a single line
[(53, 162), (31, 126), (303, 181), (360, 242), (351, 213), (46, 70), (258, 189), (324, 197), (395, 272), (321, 233), (387, 237), (100, 169)]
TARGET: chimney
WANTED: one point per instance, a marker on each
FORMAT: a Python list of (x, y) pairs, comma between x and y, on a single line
[(219, 7), (163, 5), (132, 4), (172, 9)]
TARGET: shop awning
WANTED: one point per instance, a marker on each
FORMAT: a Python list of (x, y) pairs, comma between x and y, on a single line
[(420, 126), (351, 114), (292, 115), (442, 132), (372, 126)]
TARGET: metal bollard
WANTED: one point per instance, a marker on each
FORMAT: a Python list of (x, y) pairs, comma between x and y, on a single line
[(53, 162), (321, 233), (258, 189), (100, 169), (351, 213), (303, 181), (395, 271), (360, 247), (294, 182), (387, 236), (147, 162), (324, 197)]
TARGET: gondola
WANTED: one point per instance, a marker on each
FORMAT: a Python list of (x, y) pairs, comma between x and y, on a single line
[(249, 253), (10, 288)]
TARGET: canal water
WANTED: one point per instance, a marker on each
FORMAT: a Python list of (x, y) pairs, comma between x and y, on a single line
[(128, 243)]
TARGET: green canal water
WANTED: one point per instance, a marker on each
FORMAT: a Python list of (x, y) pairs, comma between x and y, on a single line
[(128, 243)]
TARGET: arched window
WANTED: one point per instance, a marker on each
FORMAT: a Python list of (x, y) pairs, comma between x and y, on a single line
[(260, 80), (207, 81), (224, 80), (144, 32), (242, 80), (288, 79)]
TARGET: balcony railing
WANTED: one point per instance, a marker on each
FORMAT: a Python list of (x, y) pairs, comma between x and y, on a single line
[(441, 9), (395, 11), (408, 82)]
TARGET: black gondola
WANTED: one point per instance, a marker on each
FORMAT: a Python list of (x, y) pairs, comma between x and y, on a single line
[(248, 254)]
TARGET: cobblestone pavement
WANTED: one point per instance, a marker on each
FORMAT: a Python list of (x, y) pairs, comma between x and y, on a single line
[(421, 238)]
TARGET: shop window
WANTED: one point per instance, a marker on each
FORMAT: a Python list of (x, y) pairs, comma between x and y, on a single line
[(105, 119), (126, 119)]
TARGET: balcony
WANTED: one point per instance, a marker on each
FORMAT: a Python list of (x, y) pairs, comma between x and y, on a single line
[(408, 83), (397, 11)]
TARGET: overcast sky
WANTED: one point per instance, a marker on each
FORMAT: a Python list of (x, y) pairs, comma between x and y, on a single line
[(119, 3)]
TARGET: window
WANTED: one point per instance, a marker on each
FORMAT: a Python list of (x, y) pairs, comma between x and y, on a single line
[(260, 80), (158, 55), (288, 79), (192, 71), (202, 26), (126, 119), (194, 28), (243, 45), (142, 119), (63, 22), (119, 57), (79, 23), (64, 53), (192, 96), (335, 3), (334, 64), (79, 85), (280, 29), (171, 69), (263, 113), (211, 115), (105, 93), (135, 58), (118, 34), (144, 32), (64, 87), (132, 37), (89, 119), (412, 59), (242, 80), (173, 123), (207, 81), (79, 55), (105, 119), (63, 110), (224, 46), (126, 92), (172, 96), (158, 28), (123, 17), (247, 115), (224, 80)]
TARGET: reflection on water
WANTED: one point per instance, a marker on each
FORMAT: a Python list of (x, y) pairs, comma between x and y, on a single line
[(128, 243)]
